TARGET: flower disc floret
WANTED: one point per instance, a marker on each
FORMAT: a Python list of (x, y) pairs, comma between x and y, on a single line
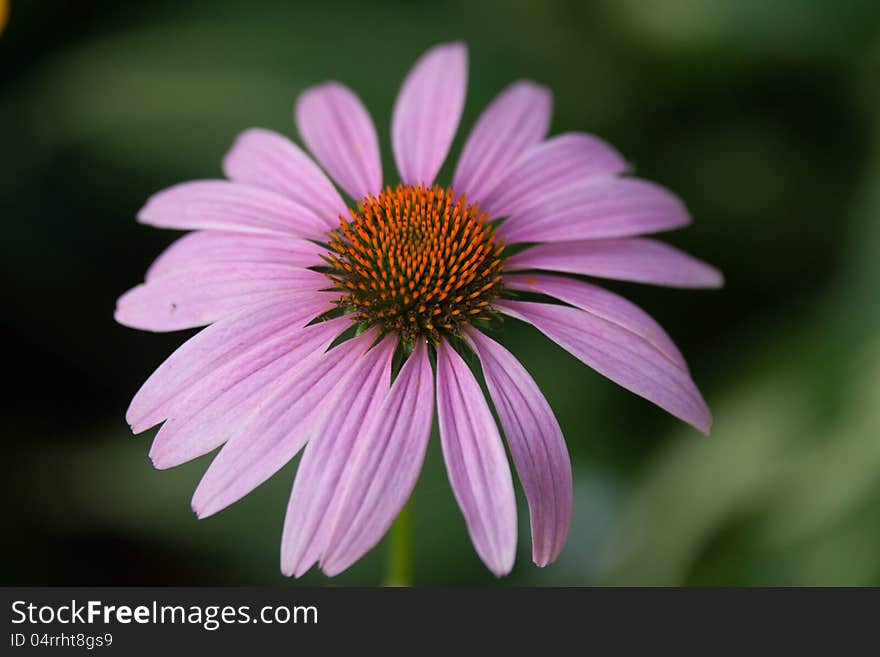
[(416, 261)]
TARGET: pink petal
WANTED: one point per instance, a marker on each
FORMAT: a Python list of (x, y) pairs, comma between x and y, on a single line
[(606, 207), (222, 205), (427, 112), (266, 159), (243, 343), (627, 259), (279, 425), (601, 303), (549, 167), (338, 130), (213, 408), (536, 445), (383, 467), (476, 462), (518, 118), (360, 392), (618, 354), (208, 247), (196, 297), (201, 430)]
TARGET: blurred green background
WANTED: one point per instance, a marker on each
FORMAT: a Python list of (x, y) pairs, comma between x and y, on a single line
[(762, 116)]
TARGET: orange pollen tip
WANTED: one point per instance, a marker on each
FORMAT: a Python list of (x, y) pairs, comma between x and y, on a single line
[(438, 254)]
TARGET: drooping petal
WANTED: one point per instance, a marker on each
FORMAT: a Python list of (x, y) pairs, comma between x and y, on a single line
[(518, 118), (201, 430), (618, 354), (476, 462), (281, 423), (342, 420), (602, 303), (241, 343), (213, 409), (549, 167), (383, 467), (199, 296), (536, 445), (626, 259), (339, 132), (208, 247), (427, 111), (266, 159), (609, 207), (224, 205)]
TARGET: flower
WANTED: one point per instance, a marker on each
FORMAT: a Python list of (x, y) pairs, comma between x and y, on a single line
[(310, 303)]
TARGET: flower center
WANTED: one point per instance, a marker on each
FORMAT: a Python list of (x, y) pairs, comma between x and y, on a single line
[(416, 261)]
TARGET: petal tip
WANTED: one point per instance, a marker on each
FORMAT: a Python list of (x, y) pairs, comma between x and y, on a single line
[(706, 427), (133, 315), (309, 93), (119, 315), (332, 568), (203, 509), (150, 213), (703, 422), (142, 216), (301, 569), (293, 563), (133, 422), (158, 463), (127, 316), (542, 559), (288, 571), (710, 277), (239, 144), (197, 506), (541, 91), (159, 455), (200, 512), (457, 48), (501, 569)]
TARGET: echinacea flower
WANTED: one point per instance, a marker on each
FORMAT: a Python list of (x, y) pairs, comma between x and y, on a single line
[(312, 304)]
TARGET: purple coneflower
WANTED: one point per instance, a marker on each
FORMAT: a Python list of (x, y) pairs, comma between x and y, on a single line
[(312, 304)]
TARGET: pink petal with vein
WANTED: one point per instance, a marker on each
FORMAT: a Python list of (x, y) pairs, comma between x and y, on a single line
[(427, 111), (536, 445), (339, 132), (310, 511), (195, 297), (618, 354), (266, 159), (601, 303), (518, 118), (223, 205), (549, 167), (242, 344), (383, 467), (209, 247), (476, 462), (608, 207), (279, 424), (626, 259), (212, 408)]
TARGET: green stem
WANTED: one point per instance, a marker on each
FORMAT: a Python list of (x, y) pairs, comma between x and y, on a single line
[(399, 565)]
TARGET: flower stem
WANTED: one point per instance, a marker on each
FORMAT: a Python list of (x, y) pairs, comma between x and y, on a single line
[(399, 566)]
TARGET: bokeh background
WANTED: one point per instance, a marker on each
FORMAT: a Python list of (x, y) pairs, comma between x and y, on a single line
[(764, 117)]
